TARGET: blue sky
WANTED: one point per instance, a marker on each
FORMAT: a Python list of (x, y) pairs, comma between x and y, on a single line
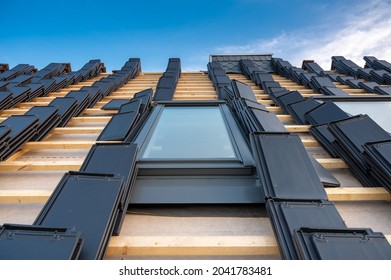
[(40, 32)]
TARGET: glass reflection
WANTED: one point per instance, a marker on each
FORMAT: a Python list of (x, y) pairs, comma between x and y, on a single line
[(378, 111), (190, 132)]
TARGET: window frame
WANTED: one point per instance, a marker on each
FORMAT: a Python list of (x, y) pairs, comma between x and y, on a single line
[(243, 164)]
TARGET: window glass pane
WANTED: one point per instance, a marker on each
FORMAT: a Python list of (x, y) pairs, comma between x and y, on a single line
[(190, 132), (380, 112)]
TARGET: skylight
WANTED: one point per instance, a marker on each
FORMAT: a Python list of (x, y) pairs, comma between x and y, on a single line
[(190, 133)]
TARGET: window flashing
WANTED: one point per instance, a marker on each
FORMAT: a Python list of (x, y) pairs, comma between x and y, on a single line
[(207, 189)]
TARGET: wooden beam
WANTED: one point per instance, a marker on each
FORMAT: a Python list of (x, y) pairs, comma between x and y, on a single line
[(77, 130), (334, 194), (306, 95), (7, 113), (190, 85), (194, 97), (54, 165), (195, 93), (135, 87), (43, 99), (17, 155), (99, 111), (284, 118), (307, 91), (111, 97), (266, 102), (262, 95), (13, 111), (342, 86), (61, 165), (24, 196), (63, 145), (58, 145), (191, 94), (191, 245), (354, 91), (104, 119), (292, 86), (349, 194), (194, 245), (332, 163), (297, 128), (274, 109), (79, 85), (59, 93), (310, 142)]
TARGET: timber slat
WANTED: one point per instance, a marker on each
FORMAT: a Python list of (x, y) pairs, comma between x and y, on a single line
[(90, 119), (64, 145), (332, 163), (77, 130), (334, 194), (350, 194), (50, 165), (64, 165), (24, 196), (297, 128), (191, 245)]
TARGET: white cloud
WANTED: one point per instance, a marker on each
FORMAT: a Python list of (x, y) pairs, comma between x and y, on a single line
[(354, 33), (195, 62)]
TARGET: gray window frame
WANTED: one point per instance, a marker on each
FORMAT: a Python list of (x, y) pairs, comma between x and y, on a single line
[(243, 164), (196, 181)]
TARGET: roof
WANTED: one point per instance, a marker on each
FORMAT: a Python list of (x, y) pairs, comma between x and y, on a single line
[(34, 169)]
